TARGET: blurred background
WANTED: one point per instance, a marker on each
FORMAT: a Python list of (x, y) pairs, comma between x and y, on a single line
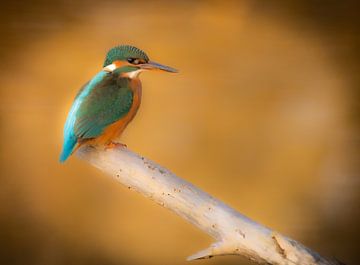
[(264, 115)]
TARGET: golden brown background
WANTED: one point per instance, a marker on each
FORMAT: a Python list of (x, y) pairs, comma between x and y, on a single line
[(263, 115)]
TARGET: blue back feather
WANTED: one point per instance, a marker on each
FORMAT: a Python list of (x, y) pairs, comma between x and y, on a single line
[(70, 138)]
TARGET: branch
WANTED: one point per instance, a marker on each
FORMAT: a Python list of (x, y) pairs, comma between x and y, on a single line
[(235, 234)]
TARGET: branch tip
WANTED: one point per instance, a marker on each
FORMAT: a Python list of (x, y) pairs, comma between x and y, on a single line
[(203, 254)]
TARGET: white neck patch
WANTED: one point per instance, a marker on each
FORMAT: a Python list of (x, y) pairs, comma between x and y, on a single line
[(132, 74), (110, 67)]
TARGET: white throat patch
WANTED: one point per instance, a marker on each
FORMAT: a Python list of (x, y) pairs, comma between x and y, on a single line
[(132, 74)]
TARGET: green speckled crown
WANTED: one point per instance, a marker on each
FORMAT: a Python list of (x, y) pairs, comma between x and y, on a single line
[(123, 52)]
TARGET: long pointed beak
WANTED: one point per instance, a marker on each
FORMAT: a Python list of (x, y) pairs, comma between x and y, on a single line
[(156, 66)]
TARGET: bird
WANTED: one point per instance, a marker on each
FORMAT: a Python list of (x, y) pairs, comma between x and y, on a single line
[(106, 104)]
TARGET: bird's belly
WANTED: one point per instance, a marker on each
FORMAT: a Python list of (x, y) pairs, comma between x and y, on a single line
[(112, 132)]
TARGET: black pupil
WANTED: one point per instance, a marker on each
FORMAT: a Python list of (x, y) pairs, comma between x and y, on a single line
[(133, 60)]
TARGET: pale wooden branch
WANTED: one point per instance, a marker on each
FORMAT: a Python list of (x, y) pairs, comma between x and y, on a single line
[(235, 234)]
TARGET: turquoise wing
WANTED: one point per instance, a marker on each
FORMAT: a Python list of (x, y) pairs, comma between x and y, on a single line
[(106, 104), (99, 103)]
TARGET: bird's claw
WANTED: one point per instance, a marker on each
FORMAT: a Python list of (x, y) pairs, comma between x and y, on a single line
[(112, 145)]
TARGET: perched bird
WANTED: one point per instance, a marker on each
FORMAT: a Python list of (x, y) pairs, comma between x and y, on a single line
[(106, 104)]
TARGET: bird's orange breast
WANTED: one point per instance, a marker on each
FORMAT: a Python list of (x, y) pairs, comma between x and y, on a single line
[(114, 130)]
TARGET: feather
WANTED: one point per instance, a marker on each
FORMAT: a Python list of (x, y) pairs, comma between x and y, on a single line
[(100, 103), (70, 138)]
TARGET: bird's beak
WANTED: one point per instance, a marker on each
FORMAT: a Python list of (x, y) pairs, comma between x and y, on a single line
[(156, 66)]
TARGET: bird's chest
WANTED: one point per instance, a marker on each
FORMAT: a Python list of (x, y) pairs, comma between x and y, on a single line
[(114, 130), (135, 86)]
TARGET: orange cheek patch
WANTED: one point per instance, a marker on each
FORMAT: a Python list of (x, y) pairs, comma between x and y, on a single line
[(120, 63), (115, 65)]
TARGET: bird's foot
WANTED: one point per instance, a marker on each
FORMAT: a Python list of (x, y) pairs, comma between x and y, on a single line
[(112, 145)]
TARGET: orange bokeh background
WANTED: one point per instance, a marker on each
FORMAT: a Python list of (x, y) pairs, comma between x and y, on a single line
[(263, 115)]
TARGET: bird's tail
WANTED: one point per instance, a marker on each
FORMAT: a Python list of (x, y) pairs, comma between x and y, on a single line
[(68, 148)]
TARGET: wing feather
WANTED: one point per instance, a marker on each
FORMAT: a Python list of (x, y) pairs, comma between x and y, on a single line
[(106, 104), (99, 103)]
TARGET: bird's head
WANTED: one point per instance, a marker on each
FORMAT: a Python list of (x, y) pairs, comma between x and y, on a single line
[(131, 61)]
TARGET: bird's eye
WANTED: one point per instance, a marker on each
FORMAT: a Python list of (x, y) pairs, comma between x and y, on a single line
[(133, 60)]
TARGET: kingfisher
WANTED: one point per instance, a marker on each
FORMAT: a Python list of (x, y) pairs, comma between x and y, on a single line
[(106, 104)]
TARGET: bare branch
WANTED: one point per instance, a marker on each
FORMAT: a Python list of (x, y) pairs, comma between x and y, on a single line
[(235, 234)]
